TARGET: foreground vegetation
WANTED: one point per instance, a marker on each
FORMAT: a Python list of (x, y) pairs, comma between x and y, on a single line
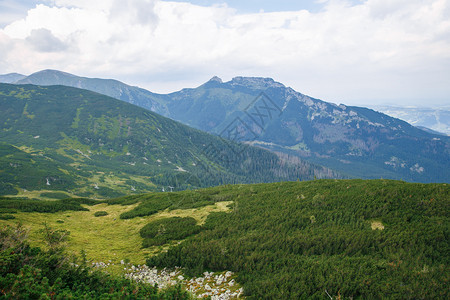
[(107, 238), (297, 240), (303, 240), (31, 273)]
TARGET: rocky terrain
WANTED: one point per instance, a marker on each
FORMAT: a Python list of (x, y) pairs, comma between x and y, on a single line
[(217, 285)]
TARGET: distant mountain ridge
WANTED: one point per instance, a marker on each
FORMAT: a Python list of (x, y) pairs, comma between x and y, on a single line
[(109, 87), (11, 77), (436, 119), (60, 138), (357, 141)]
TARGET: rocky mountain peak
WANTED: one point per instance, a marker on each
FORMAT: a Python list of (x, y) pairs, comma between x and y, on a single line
[(216, 79), (256, 83)]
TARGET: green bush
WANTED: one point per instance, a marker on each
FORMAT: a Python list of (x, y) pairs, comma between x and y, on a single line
[(32, 205), (154, 202), (7, 189), (100, 213), (6, 217), (162, 231), (54, 195)]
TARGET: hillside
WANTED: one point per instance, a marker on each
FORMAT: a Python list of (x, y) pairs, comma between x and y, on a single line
[(368, 239), (289, 240), (29, 171), (356, 141), (29, 272), (86, 144), (109, 87)]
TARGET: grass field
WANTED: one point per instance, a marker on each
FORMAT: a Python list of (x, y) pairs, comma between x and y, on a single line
[(106, 238)]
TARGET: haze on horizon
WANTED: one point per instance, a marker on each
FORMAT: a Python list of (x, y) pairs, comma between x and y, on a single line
[(357, 52)]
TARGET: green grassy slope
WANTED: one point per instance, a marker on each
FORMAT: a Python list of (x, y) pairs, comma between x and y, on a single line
[(90, 145), (105, 238)]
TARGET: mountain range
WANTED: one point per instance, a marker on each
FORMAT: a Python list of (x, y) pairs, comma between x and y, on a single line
[(356, 141), (59, 138), (11, 77), (435, 119)]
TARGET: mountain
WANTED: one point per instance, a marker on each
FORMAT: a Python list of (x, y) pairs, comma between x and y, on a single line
[(431, 131), (59, 138), (436, 119), (109, 87), (356, 141), (11, 77)]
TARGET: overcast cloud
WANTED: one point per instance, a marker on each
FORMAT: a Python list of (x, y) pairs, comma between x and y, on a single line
[(374, 51)]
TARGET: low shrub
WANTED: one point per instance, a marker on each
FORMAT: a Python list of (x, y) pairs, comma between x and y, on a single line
[(162, 231), (7, 217), (100, 213)]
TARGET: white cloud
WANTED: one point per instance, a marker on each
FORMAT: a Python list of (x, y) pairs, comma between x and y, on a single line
[(379, 49), (134, 12), (43, 40)]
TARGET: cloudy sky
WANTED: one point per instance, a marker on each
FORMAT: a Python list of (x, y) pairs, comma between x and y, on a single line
[(357, 52)]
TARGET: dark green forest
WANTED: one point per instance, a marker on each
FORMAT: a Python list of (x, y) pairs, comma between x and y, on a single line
[(297, 240)]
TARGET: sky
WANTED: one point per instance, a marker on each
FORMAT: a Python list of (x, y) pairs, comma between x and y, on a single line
[(356, 52)]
